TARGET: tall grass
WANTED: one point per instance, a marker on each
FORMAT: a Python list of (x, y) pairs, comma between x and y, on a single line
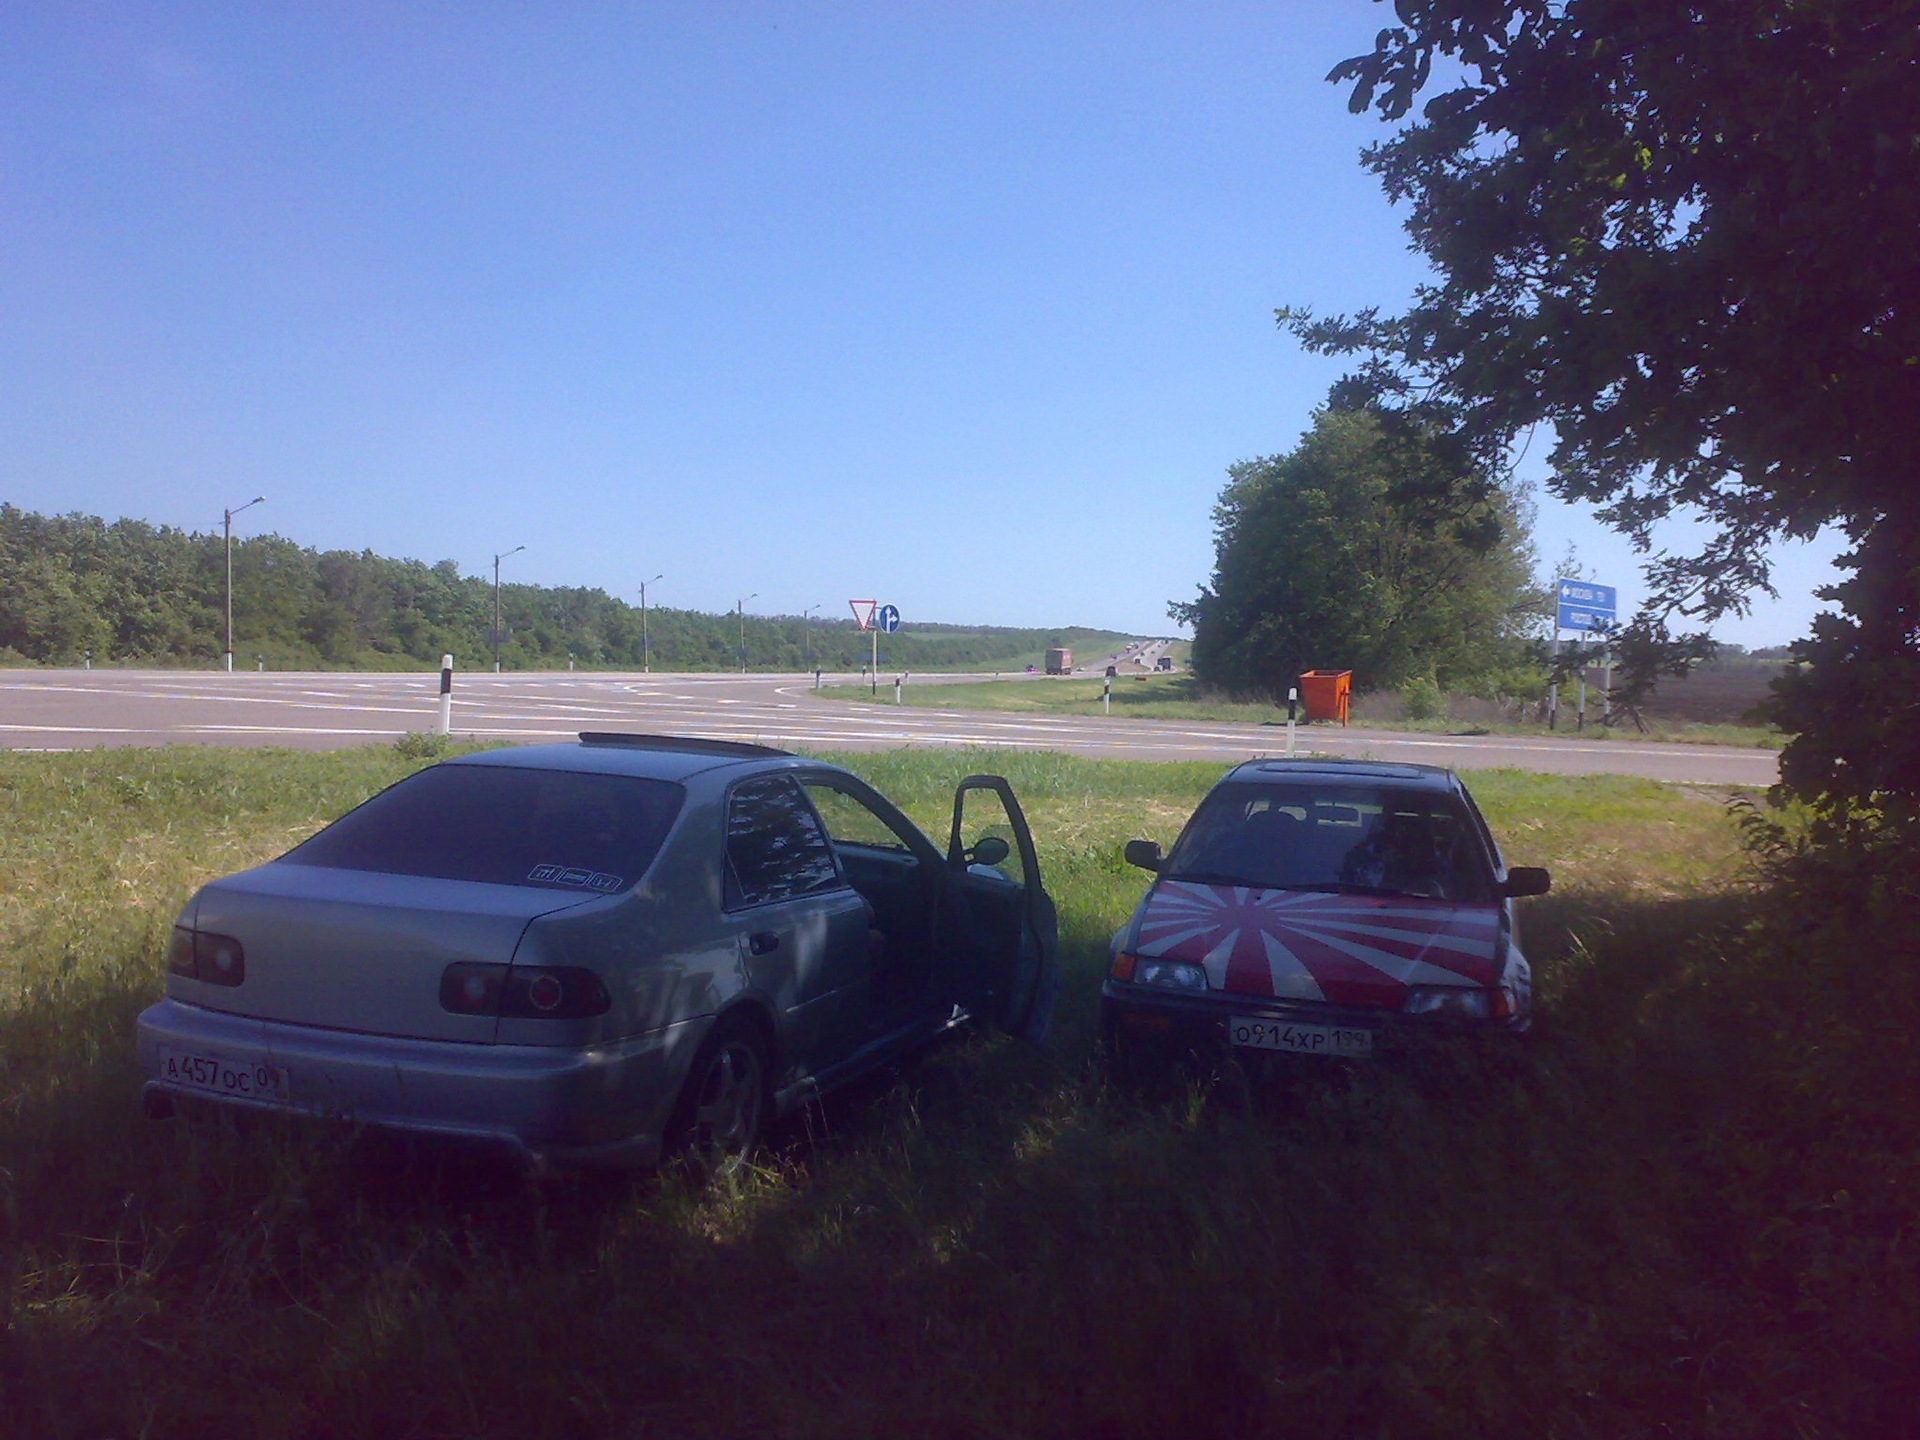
[(1688, 1212)]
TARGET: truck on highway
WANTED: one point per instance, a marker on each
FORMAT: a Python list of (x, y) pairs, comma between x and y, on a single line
[(1059, 662)]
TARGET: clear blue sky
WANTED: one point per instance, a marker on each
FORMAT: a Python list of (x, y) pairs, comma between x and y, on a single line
[(962, 306)]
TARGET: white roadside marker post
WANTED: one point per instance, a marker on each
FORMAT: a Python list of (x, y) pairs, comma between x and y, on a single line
[(1106, 696), (898, 681), (1293, 707), (446, 694)]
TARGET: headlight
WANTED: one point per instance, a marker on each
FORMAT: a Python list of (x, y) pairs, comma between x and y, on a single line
[(1169, 974), (1460, 1002)]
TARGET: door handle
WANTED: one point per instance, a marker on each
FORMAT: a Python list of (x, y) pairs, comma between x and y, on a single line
[(764, 943)]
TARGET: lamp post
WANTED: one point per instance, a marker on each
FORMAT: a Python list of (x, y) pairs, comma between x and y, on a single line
[(741, 610), (646, 650), (228, 652), (496, 603), (806, 636)]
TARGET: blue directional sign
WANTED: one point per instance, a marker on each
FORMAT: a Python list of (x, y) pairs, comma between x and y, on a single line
[(888, 618), (1586, 606)]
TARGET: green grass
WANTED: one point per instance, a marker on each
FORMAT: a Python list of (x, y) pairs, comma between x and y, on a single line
[(1176, 697), (1689, 1212)]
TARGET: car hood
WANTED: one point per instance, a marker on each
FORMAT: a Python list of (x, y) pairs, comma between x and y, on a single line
[(1311, 945)]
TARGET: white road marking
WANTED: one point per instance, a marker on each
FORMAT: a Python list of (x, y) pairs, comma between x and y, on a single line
[(532, 707)]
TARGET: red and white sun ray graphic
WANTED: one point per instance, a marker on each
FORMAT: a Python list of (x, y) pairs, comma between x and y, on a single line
[(1303, 945)]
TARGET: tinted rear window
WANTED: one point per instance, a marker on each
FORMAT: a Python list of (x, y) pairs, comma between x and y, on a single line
[(504, 826)]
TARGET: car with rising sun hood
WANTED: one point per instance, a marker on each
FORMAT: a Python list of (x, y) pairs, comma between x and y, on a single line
[(1320, 907)]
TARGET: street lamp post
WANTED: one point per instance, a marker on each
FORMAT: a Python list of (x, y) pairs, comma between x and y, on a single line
[(496, 603), (741, 610), (228, 653), (646, 650), (806, 636)]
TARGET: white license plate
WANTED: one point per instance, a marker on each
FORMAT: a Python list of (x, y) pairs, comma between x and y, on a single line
[(253, 1079), (1348, 1040)]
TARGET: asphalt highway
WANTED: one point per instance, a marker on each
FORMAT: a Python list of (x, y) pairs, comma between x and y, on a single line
[(80, 709)]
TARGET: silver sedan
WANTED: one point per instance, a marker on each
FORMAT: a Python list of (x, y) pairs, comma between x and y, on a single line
[(602, 952)]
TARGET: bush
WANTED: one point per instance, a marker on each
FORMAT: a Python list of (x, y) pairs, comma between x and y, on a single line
[(423, 745), (1420, 699)]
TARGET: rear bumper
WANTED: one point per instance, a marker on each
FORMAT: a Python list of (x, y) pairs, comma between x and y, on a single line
[(604, 1104)]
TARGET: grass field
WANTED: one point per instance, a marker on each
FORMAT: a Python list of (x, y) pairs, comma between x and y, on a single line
[(1175, 697), (1689, 1212)]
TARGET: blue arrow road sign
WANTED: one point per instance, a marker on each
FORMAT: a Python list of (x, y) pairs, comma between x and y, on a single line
[(1586, 606), (888, 618)]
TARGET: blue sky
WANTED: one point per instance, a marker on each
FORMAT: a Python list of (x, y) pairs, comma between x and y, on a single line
[(962, 306)]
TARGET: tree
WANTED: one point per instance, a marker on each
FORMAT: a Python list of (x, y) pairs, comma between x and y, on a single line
[(1369, 548), (1682, 235)]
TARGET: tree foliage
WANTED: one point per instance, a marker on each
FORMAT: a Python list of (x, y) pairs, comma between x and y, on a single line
[(1682, 235), (135, 593), (1368, 548)]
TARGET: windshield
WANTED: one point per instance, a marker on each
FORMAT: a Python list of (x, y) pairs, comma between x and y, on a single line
[(1360, 839), (504, 826)]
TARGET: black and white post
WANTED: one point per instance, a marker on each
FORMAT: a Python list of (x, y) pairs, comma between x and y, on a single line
[(446, 694)]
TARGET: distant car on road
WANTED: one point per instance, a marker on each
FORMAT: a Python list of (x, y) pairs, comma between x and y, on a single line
[(601, 952), (1315, 907)]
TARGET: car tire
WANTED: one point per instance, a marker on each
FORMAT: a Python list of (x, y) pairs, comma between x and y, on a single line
[(717, 1123)]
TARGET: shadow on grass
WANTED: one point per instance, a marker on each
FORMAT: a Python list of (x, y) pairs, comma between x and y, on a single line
[(1634, 1232)]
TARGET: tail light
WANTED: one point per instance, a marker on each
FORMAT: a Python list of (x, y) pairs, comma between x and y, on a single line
[(205, 956), (523, 992)]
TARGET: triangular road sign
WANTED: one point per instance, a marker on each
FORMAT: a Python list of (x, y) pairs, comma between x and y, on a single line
[(863, 612)]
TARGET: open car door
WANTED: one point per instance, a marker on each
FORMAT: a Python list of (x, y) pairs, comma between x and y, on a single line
[(1000, 933)]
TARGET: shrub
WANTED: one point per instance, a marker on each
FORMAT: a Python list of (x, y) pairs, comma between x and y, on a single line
[(1420, 699), (423, 745)]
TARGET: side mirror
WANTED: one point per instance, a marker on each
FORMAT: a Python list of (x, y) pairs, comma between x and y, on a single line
[(1144, 853), (988, 850), (1523, 880)]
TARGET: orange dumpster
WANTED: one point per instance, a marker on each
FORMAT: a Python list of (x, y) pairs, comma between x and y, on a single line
[(1325, 693)]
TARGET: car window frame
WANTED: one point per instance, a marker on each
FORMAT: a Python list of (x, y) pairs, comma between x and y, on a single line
[(918, 845), (910, 840), (1487, 853), (1495, 859), (734, 898)]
